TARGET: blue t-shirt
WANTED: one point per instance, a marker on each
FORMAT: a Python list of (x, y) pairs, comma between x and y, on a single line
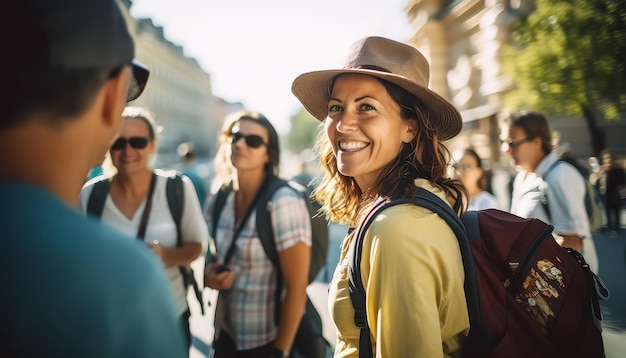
[(73, 287)]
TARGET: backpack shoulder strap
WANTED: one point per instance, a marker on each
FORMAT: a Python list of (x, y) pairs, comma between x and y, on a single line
[(176, 202), (218, 206), (174, 190), (544, 197), (97, 198), (264, 218), (430, 201), (266, 233)]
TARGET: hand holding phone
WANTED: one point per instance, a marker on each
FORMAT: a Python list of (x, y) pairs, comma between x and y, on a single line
[(218, 276), (222, 268)]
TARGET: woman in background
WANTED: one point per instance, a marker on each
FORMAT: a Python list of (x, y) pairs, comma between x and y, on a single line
[(246, 323), (137, 189), (473, 176)]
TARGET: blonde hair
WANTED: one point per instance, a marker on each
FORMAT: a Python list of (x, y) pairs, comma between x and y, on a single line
[(144, 115)]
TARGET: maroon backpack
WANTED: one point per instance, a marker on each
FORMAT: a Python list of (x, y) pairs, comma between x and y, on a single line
[(526, 295)]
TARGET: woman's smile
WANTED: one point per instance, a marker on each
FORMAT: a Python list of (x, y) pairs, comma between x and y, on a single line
[(352, 146)]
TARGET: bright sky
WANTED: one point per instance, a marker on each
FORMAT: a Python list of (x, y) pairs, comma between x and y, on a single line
[(253, 49)]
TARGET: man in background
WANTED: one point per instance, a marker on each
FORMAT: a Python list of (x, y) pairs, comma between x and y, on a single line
[(187, 155), (70, 286), (543, 176), (610, 181)]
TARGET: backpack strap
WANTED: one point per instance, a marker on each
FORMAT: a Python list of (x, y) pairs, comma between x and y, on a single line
[(98, 196), (145, 216), (264, 225), (544, 197), (265, 230), (176, 202), (218, 205), (432, 202)]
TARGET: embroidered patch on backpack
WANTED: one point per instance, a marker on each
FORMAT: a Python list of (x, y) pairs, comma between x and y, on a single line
[(539, 289)]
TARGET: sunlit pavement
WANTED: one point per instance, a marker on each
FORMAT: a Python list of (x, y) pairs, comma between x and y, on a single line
[(611, 248), (201, 326)]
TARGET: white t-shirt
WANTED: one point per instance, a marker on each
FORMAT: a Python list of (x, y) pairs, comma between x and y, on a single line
[(161, 225), (565, 189)]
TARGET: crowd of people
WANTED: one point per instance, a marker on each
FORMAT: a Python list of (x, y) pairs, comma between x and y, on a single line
[(99, 267)]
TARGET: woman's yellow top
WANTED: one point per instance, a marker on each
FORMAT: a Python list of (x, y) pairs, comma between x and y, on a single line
[(413, 275)]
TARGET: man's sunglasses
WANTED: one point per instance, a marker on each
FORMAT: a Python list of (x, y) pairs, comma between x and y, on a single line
[(135, 142), (138, 81), (252, 140), (513, 144)]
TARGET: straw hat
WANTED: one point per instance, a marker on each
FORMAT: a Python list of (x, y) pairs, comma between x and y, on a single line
[(392, 61)]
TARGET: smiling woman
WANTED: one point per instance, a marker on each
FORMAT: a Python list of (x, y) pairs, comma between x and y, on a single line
[(383, 138), (137, 203)]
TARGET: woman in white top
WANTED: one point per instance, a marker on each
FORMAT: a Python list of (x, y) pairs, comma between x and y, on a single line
[(126, 201), (472, 173)]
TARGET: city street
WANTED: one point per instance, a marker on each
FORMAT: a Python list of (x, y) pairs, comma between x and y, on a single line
[(611, 249)]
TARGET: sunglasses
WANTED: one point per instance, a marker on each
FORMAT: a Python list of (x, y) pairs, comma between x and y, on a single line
[(135, 142), (252, 140), (463, 168), (515, 143), (138, 81)]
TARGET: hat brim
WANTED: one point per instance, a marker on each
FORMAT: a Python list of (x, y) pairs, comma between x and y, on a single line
[(311, 88)]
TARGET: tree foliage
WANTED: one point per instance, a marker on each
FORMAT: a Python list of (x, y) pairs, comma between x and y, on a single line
[(303, 133), (570, 57)]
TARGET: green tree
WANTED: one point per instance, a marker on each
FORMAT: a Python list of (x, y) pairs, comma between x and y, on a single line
[(303, 133), (570, 58)]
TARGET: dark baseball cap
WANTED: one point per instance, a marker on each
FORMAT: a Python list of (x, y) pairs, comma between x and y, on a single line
[(71, 34)]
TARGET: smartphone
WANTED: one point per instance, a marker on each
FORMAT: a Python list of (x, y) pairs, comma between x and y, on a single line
[(221, 269)]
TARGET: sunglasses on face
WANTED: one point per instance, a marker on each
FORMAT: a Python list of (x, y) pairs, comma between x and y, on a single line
[(252, 140), (138, 80), (135, 142), (138, 83), (463, 167), (513, 144)]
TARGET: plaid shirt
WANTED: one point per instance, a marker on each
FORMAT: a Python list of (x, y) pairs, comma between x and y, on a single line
[(246, 310)]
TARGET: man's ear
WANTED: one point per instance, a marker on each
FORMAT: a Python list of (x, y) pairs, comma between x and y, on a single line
[(116, 90), (411, 131)]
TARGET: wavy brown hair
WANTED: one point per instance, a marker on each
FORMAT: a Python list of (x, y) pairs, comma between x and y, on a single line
[(424, 157), (223, 166)]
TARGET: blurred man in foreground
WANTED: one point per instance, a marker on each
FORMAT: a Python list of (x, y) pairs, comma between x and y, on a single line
[(71, 286)]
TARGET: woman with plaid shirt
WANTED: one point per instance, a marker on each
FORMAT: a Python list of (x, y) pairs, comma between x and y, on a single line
[(245, 317)]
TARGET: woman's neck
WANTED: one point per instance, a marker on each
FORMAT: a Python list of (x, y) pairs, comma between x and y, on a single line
[(248, 186), (136, 183), (248, 183)]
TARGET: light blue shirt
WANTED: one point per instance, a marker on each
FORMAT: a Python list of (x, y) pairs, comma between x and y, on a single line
[(565, 189), (483, 200)]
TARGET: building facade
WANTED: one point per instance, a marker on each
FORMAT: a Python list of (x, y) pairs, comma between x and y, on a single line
[(178, 93), (463, 41)]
